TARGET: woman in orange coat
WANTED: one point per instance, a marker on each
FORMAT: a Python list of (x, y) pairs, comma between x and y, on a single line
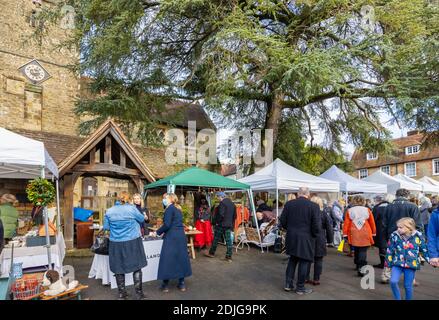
[(359, 229)]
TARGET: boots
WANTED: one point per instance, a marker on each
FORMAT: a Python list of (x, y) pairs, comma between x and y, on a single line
[(120, 280), (138, 286)]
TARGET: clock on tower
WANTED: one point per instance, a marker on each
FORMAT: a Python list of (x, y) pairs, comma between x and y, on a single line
[(34, 72)]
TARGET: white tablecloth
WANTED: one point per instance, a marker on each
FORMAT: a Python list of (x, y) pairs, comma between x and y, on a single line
[(32, 257), (100, 268)]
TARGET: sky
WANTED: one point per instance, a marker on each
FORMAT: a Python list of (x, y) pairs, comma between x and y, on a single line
[(223, 134)]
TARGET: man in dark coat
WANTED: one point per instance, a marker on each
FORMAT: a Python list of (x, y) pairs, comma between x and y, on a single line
[(325, 237), (398, 209), (301, 218), (224, 222), (379, 211)]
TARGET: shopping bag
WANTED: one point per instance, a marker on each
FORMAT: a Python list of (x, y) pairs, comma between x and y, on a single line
[(341, 246), (101, 244)]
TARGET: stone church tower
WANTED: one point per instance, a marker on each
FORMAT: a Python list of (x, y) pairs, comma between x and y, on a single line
[(37, 90)]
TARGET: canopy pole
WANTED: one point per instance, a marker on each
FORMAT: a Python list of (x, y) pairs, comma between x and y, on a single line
[(58, 208), (277, 205), (252, 206), (46, 227)]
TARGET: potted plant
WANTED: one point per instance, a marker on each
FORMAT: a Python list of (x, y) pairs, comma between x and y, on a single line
[(40, 193)]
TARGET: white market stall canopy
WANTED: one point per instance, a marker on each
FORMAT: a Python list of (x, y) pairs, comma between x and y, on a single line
[(426, 188), (351, 184), (24, 158), (280, 176), (429, 180), (392, 183)]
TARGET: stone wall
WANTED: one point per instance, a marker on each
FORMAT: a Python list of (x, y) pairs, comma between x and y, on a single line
[(48, 106)]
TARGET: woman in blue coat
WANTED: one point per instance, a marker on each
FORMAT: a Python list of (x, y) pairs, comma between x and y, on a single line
[(174, 259)]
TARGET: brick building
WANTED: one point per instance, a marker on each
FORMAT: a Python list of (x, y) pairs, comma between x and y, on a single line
[(409, 157), (38, 91)]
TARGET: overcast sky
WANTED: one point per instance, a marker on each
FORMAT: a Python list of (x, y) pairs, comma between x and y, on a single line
[(223, 134)]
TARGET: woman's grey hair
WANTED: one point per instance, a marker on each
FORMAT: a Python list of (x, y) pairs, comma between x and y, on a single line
[(303, 191), (390, 198)]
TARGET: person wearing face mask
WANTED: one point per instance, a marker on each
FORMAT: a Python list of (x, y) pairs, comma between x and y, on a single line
[(174, 259)]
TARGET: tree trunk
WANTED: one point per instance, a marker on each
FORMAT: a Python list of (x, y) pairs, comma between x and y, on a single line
[(272, 118)]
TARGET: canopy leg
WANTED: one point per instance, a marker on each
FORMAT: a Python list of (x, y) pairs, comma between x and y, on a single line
[(252, 205), (58, 209)]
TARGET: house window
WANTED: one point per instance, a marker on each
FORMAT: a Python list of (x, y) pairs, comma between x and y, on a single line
[(372, 156), (412, 150), (363, 173), (410, 169), (436, 167), (385, 169)]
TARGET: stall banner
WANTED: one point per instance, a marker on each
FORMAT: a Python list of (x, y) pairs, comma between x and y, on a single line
[(150, 272)]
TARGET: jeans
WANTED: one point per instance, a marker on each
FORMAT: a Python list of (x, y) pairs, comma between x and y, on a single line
[(409, 276), (318, 267), (219, 231), (302, 265), (360, 256)]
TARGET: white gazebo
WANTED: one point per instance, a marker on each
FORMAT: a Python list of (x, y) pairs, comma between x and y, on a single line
[(281, 177), (392, 183), (426, 187), (25, 158), (351, 184), (429, 180)]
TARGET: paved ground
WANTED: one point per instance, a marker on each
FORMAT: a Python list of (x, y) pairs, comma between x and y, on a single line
[(256, 275)]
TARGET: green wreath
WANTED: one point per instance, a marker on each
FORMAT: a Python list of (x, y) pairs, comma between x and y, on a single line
[(40, 192)]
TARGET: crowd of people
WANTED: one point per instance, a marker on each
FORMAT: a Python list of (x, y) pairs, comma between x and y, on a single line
[(404, 229)]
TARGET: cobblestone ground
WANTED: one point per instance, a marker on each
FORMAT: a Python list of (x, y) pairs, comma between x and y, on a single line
[(260, 276)]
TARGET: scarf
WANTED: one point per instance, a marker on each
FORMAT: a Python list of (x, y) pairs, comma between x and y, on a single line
[(359, 215)]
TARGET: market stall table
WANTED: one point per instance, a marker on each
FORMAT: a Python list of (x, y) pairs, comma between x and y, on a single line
[(33, 257), (100, 268), (190, 234)]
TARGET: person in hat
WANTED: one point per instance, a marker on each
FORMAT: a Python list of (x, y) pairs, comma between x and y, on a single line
[(378, 212), (8, 215), (224, 222), (262, 206)]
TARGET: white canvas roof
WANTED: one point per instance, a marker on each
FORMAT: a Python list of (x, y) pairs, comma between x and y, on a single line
[(392, 183), (351, 184), (429, 180), (281, 176), (426, 188), (23, 158)]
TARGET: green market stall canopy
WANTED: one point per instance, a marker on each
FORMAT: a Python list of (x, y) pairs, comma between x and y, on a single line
[(196, 177)]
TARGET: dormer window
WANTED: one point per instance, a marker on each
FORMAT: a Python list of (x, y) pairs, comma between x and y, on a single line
[(412, 150), (371, 156)]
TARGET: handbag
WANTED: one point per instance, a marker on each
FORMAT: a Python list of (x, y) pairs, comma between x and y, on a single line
[(341, 246), (101, 244)]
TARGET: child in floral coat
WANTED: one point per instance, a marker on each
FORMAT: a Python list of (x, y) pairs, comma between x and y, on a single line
[(406, 244)]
